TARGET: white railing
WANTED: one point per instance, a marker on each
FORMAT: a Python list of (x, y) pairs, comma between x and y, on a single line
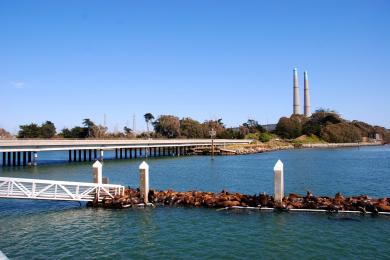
[(19, 188)]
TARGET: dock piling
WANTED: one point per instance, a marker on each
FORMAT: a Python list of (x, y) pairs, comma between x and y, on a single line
[(278, 182), (97, 172), (144, 181)]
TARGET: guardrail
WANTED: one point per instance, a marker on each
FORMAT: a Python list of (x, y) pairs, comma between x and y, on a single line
[(20, 188)]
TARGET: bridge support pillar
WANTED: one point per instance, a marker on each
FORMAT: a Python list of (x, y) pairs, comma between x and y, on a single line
[(13, 158), (24, 158), (85, 156), (69, 156), (79, 155), (29, 158), (144, 181), (4, 158), (9, 159), (89, 155), (101, 155), (74, 155), (116, 153), (130, 153), (18, 153), (35, 159), (94, 154), (121, 153)]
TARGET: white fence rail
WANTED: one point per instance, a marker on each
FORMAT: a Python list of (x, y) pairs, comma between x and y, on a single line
[(19, 188)]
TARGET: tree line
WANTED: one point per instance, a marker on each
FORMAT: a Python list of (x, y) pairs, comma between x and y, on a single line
[(324, 124), (164, 126), (329, 126)]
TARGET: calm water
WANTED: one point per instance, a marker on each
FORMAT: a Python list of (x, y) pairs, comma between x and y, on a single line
[(64, 230)]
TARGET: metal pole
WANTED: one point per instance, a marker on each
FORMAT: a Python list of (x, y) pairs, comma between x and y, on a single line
[(212, 148)]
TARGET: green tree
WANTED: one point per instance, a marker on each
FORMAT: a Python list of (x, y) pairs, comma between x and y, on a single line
[(127, 130), (319, 119), (191, 128), (231, 133), (289, 127), (341, 133), (253, 126), (29, 131), (168, 126), (75, 132), (89, 125), (148, 119), (217, 125), (48, 130)]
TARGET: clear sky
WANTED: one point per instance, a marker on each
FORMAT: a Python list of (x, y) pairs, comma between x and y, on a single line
[(68, 60)]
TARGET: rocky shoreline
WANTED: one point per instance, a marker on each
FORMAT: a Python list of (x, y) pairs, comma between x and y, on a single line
[(224, 199), (261, 148)]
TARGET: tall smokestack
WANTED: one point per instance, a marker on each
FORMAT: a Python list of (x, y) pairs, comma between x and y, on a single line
[(307, 95), (296, 102)]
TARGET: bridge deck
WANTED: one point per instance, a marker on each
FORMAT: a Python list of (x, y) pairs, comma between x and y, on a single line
[(33, 145), (19, 188)]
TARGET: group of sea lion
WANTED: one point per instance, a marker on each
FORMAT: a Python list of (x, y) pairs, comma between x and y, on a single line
[(361, 203), (224, 199)]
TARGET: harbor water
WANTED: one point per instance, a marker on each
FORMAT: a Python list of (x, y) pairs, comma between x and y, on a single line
[(66, 230)]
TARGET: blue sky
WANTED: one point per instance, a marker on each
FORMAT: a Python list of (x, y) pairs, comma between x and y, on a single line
[(68, 60)]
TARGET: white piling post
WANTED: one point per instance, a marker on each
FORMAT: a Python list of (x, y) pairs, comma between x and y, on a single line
[(278, 182), (97, 172), (101, 155), (144, 181)]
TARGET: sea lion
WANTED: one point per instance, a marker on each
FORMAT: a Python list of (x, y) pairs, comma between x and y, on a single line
[(293, 196)]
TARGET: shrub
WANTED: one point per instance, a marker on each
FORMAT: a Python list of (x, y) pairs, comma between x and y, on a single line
[(265, 137), (341, 133)]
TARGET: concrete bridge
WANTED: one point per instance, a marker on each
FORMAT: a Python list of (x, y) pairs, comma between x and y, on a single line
[(22, 152)]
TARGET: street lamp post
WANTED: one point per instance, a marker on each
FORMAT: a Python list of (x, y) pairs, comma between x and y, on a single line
[(212, 133)]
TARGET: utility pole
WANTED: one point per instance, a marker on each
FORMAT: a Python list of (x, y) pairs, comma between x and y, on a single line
[(134, 123), (212, 133)]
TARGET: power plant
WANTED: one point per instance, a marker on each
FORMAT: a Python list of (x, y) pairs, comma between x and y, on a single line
[(306, 109), (296, 99), (297, 104)]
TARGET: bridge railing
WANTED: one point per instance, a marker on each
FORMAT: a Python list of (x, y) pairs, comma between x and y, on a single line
[(20, 188)]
